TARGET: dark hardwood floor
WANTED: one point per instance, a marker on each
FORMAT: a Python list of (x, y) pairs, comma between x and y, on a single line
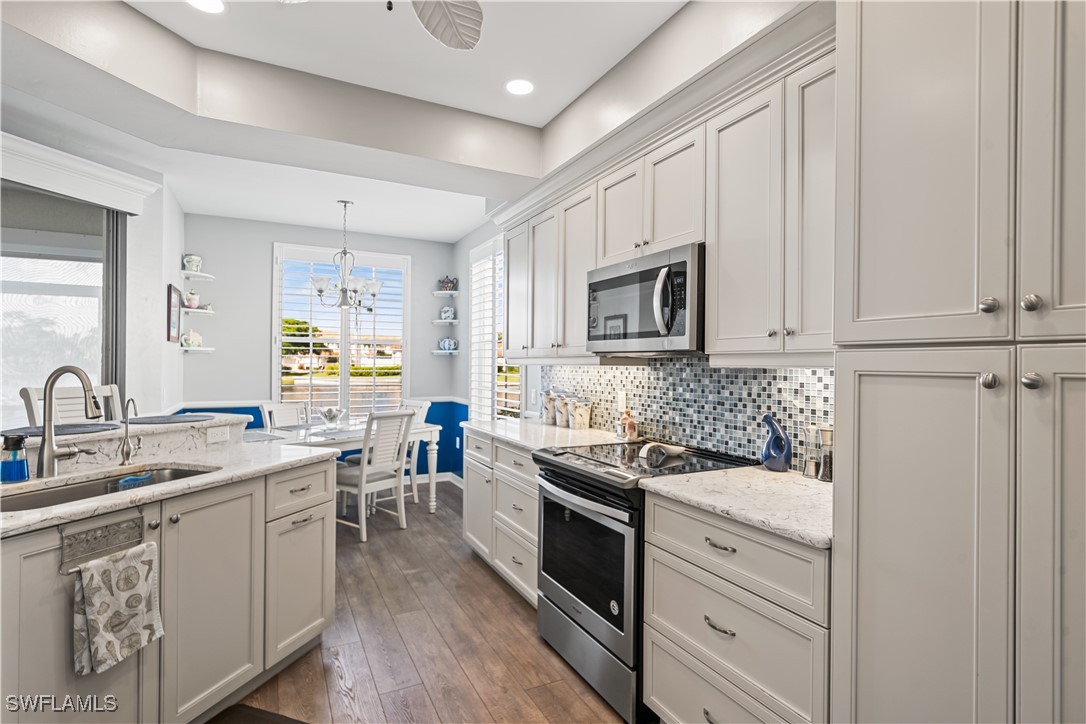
[(427, 632)]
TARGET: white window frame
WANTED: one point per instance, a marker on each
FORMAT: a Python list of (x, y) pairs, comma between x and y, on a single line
[(323, 254), (480, 253)]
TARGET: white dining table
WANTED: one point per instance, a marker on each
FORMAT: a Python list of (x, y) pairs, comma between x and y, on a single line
[(349, 436)]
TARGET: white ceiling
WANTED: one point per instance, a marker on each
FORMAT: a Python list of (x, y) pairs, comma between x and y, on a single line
[(562, 47)]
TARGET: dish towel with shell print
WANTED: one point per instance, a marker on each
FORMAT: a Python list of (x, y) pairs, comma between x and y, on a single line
[(116, 608)]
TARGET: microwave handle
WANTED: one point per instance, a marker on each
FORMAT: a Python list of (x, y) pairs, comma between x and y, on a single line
[(658, 301)]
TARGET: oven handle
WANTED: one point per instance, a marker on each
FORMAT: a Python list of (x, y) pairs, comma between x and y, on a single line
[(586, 507), (658, 301)]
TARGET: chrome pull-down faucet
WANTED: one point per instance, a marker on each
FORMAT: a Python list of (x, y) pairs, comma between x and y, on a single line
[(48, 454)]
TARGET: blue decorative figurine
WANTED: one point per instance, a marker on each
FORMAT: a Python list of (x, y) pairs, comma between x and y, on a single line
[(777, 451)]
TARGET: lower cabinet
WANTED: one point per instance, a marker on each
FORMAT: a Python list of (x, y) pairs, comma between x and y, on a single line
[(478, 507), (300, 579), (716, 648), (212, 594)]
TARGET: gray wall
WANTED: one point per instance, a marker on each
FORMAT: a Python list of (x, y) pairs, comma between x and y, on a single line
[(239, 254)]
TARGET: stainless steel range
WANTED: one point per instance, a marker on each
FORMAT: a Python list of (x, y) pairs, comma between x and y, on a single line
[(590, 543)]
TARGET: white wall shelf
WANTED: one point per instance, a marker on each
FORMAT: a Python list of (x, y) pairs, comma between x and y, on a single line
[(447, 294), (194, 350), (445, 352), (206, 312), (447, 321), (198, 276)]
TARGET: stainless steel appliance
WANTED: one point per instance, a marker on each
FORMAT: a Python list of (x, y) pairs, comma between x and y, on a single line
[(590, 543), (649, 305)]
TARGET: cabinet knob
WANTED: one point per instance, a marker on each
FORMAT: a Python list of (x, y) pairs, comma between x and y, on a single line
[(175, 518), (553, 345), (1031, 303), (771, 333), (1032, 381), (788, 331), (989, 305), (154, 524), (637, 245), (989, 380), (524, 346)]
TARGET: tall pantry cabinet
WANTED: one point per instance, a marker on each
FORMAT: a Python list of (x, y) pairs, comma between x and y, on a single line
[(959, 569)]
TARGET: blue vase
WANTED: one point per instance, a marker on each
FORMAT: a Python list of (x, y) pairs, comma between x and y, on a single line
[(777, 451)]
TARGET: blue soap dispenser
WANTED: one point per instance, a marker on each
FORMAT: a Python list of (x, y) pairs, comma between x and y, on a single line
[(777, 451)]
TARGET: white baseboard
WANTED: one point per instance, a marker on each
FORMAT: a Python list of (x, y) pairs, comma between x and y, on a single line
[(451, 478)]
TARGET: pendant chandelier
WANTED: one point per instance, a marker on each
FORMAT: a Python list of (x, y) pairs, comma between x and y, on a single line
[(348, 291)]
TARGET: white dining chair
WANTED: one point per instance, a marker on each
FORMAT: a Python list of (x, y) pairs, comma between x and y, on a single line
[(379, 467), (420, 408), (282, 414), (69, 403)]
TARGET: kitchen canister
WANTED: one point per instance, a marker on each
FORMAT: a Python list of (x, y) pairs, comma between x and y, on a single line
[(561, 411), (579, 413), (547, 405)]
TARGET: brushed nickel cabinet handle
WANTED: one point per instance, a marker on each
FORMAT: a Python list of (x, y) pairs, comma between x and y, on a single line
[(1031, 303), (301, 490), (477, 447), (708, 717), (720, 629), (175, 518), (771, 333), (517, 508), (1032, 381), (518, 562), (302, 520), (788, 331), (154, 524), (518, 464), (989, 380), (988, 305), (714, 544)]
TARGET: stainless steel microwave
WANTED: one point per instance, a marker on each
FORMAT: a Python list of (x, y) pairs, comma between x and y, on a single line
[(648, 306)]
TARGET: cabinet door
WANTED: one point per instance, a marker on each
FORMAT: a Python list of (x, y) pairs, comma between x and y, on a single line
[(478, 507), (743, 243), (543, 256), (809, 206), (36, 604), (620, 224), (1052, 171), (924, 170), (301, 579), (517, 284), (212, 595), (675, 192), (923, 530), (1052, 536), (577, 241)]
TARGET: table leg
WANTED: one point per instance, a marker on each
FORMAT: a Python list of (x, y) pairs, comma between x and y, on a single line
[(431, 465)]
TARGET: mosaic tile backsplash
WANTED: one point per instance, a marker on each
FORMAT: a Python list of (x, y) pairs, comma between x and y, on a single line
[(684, 400)]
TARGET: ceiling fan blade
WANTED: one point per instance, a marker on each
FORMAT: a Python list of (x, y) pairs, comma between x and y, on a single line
[(456, 24)]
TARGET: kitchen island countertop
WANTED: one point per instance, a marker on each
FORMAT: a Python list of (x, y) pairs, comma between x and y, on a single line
[(786, 504)]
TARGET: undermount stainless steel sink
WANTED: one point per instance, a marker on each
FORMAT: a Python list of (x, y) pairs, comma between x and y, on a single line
[(115, 482)]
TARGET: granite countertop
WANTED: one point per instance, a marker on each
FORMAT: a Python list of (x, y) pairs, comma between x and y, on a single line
[(786, 504), (532, 433), (237, 462), (218, 419)]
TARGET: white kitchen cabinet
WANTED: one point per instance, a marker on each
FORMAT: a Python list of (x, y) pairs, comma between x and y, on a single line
[(1052, 170), (517, 291), (744, 225), (809, 126), (212, 595), (577, 244), (479, 508), (925, 182), (1051, 644), (36, 602), (544, 283), (922, 614), (655, 202), (301, 579)]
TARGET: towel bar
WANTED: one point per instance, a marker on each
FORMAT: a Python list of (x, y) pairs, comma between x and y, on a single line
[(86, 545)]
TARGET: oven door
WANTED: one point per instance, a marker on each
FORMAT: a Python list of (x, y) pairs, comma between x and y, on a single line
[(587, 556)]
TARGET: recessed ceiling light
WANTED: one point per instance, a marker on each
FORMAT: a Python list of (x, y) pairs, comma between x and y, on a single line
[(520, 87), (208, 6)]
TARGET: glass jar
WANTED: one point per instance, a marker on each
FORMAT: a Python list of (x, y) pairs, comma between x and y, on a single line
[(825, 466)]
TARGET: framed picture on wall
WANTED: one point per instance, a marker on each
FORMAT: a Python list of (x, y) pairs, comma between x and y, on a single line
[(173, 313), (614, 326)]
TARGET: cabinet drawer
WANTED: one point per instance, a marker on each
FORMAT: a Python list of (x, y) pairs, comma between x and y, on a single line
[(516, 561), (788, 573), (517, 506), (679, 688), (292, 490), (477, 447), (756, 645), (515, 460)]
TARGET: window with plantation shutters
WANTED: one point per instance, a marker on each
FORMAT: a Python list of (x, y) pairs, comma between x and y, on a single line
[(494, 385), (331, 357)]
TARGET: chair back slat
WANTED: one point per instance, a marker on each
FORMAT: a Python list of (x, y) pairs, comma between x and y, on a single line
[(284, 413), (68, 403), (385, 445), (420, 407)]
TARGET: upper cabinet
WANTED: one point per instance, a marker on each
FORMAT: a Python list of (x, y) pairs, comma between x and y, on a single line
[(769, 221), (543, 256), (577, 242), (516, 291), (656, 202), (925, 183), (1052, 170)]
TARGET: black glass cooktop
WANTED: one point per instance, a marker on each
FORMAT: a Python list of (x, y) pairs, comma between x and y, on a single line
[(627, 458)]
